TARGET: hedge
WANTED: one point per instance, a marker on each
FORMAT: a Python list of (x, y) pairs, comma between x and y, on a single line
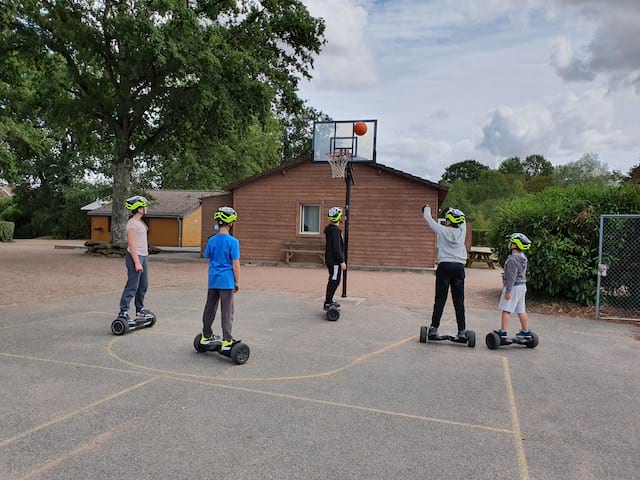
[(6, 231), (563, 225)]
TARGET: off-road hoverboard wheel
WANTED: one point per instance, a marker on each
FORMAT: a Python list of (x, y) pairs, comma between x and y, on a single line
[(119, 327)]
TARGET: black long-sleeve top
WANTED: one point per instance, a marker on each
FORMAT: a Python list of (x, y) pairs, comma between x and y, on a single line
[(334, 246)]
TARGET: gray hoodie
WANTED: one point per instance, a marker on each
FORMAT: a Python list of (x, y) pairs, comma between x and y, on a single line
[(515, 270), (450, 241)]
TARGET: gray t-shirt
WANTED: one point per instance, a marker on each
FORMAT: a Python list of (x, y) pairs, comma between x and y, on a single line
[(450, 241), (140, 240)]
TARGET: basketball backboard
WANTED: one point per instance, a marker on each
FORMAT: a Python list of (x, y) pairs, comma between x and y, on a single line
[(340, 137)]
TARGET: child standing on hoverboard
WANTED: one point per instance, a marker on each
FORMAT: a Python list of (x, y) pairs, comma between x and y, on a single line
[(223, 252), (452, 257), (136, 262), (334, 255), (514, 280)]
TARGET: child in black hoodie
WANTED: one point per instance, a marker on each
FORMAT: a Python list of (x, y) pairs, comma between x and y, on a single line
[(334, 255)]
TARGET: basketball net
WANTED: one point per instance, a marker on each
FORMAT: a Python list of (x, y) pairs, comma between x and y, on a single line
[(338, 162)]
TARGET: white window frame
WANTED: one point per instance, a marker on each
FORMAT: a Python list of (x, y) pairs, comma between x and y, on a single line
[(301, 228)]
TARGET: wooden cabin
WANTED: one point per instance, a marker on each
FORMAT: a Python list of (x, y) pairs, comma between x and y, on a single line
[(288, 206), (174, 218)]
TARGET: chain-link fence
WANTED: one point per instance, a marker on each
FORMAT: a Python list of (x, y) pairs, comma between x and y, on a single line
[(618, 289)]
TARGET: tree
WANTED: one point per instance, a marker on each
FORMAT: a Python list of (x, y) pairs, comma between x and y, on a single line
[(587, 169), (634, 174), (468, 171), (512, 166), (537, 166), (145, 75)]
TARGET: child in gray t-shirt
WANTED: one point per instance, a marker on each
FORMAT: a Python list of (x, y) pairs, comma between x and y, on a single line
[(514, 280)]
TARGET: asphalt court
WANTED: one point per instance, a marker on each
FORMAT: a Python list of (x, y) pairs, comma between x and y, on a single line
[(358, 398)]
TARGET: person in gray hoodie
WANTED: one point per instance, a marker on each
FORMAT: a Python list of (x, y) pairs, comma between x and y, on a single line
[(452, 257), (514, 280)]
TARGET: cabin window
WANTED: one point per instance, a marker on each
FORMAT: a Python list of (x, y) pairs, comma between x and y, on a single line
[(310, 219)]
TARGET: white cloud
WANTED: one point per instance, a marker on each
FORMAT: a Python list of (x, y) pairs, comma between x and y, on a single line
[(449, 81), (347, 59), (565, 125), (614, 49)]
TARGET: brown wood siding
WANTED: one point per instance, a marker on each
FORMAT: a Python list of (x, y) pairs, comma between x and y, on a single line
[(209, 206), (163, 232), (386, 226), (100, 229), (192, 228)]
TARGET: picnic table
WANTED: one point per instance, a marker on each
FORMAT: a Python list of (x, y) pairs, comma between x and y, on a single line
[(480, 254)]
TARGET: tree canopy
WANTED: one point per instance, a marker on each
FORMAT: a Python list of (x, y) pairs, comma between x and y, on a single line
[(152, 78), (467, 171)]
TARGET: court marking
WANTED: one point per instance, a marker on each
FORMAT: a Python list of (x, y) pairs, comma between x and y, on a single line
[(356, 361), (515, 421), (67, 416), (80, 449), (515, 432)]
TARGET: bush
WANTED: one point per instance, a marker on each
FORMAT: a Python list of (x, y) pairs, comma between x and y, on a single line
[(6, 231), (564, 225)]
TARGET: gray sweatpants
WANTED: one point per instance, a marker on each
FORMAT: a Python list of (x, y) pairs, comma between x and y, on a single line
[(225, 298)]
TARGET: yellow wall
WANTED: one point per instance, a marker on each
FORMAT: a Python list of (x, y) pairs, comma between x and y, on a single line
[(191, 229), (163, 232), (100, 229)]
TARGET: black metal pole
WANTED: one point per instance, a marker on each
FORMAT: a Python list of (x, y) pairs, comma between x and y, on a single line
[(348, 180)]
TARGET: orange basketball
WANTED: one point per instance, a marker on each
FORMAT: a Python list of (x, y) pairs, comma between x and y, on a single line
[(359, 128)]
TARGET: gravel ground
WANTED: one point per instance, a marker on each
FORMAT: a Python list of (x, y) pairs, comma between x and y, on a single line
[(32, 271)]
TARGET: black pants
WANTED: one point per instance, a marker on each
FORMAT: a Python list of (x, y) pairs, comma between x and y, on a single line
[(335, 273), (449, 274)]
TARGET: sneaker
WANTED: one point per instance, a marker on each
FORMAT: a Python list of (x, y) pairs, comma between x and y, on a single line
[(502, 333), (226, 345), (524, 333), (462, 335), (327, 306), (124, 316), (432, 332), (144, 314), (209, 340)]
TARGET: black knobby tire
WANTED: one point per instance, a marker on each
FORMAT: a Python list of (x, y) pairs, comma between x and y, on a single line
[(492, 340), (471, 338), (196, 344), (333, 314), (424, 331), (534, 341), (119, 327), (240, 353)]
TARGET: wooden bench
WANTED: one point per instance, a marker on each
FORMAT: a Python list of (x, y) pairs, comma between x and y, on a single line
[(481, 254), (303, 247)]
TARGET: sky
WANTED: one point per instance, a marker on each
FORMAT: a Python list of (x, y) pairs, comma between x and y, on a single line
[(450, 80)]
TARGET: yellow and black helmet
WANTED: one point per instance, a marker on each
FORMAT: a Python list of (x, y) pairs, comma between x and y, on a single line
[(225, 215), (136, 202), (521, 241), (335, 214), (454, 215)]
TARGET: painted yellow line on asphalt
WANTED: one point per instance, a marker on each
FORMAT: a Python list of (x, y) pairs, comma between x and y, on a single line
[(356, 361), (184, 378), (82, 449), (515, 422), (76, 412), (347, 406), (73, 364)]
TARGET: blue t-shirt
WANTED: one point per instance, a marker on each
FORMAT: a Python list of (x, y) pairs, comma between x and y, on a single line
[(221, 250)]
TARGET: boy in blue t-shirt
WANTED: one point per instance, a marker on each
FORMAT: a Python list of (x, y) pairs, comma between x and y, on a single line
[(223, 252)]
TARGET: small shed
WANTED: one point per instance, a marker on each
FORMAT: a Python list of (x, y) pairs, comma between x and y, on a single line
[(174, 218), (290, 203)]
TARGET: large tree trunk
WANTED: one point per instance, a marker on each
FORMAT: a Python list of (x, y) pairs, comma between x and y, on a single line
[(121, 182)]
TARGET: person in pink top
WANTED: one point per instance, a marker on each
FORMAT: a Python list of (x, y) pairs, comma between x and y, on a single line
[(136, 261)]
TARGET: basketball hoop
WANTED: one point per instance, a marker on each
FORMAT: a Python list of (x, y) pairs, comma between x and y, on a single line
[(338, 162)]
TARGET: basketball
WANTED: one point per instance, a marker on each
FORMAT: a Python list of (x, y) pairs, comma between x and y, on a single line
[(359, 128)]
